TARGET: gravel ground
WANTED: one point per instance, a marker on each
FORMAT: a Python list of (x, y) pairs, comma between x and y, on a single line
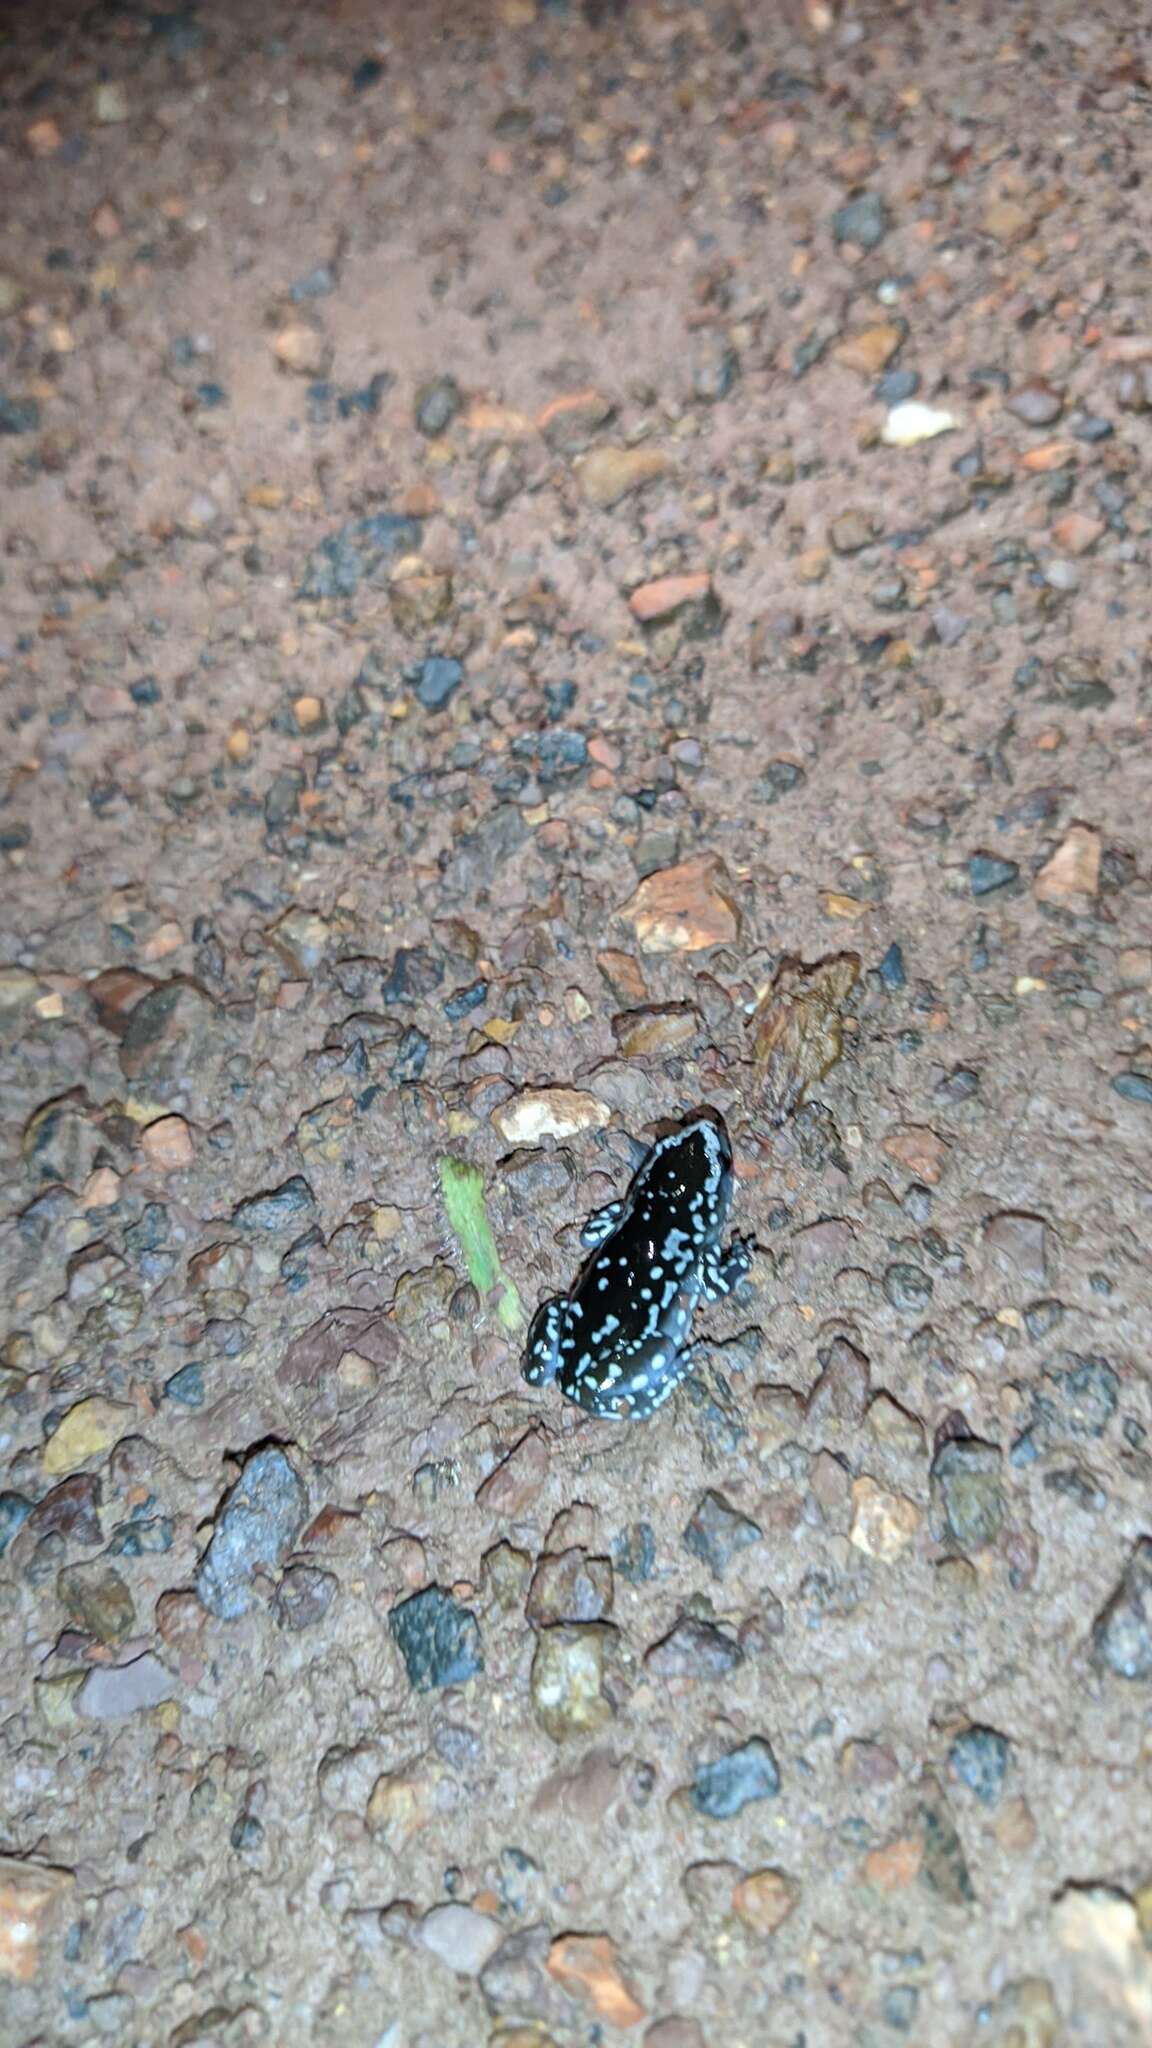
[(519, 526)]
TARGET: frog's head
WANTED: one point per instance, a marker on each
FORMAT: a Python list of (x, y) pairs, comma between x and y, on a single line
[(706, 1130)]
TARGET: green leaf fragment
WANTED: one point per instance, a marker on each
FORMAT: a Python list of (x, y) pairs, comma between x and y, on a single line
[(463, 1188)]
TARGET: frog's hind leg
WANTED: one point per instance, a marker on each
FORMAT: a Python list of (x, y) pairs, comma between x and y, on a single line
[(601, 1224), (542, 1354), (723, 1270)]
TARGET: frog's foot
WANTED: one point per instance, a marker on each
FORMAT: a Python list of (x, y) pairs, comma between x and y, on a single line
[(723, 1270), (601, 1224), (542, 1355)]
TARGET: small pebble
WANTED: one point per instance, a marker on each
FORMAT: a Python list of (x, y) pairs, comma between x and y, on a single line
[(438, 1639), (437, 405), (979, 1758), (256, 1526), (722, 1789), (460, 1938)]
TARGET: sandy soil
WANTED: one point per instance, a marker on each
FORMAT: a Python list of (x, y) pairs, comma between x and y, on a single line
[(365, 375)]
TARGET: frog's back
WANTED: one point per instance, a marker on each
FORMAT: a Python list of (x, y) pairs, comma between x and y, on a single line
[(632, 1308)]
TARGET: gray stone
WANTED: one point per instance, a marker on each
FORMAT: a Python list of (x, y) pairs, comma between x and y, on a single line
[(113, 1690), (255, 1529), (724, 1788), (967, 1494), (460, 1937), (1122, 1631), (863, 221)]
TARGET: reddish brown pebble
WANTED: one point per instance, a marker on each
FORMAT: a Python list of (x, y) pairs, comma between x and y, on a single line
[(763, 1900), (685, 909), (920, 1150), (28, 1894), (667, 595), (167, 1145), (586, 1965), (896, 1866)]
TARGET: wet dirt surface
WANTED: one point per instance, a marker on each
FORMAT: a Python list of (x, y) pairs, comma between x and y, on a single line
[(475, 604)]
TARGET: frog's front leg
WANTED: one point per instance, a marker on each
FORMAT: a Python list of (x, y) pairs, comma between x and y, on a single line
[(721, 1271), (601, 1224), (542, 1353)]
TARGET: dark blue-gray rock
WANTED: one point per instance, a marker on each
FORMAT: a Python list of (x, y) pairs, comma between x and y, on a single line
[(908, 1288), (255, 1530), (694, 1649), (357, 553), (437, 680), (148, 1535), (717, 1531), (437, 405), (1091, 427), (170, 1032), (1080, 1486), (979, 1757), (366, 397), (634, 1553), (318, 283), (18, 415), (282, 798), (891, 968), (465, 1000), (944, 1867), (1079, 1399), (897, 386), (413, 971), (779, 779), (1042, 1317), (411, 1057), (149, 1231), (863, 221), (187, 1386), (277, 1208), (14, 1512), (1122, 1631), (560, 752), (967, 1497), (734, 1781), (438, 1639), (1133, 1086), (987, 872)]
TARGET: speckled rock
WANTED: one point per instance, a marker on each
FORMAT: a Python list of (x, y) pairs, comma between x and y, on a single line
[(717, 1532), (979, 1759), (967, 1493), (568, 1674), (745, 1774), (256, 1527), (438, 1639), (1122, 1631)]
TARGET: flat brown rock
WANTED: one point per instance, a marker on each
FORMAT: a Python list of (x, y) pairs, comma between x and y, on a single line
[(667, 595), (1072, 876), (684, 909), (609, 474), (586, 1965)]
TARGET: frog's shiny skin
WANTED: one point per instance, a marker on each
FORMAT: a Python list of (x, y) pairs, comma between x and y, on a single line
[(617, 1344)]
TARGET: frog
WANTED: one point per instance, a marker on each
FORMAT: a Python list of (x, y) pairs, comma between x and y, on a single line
[(617, 1343)]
